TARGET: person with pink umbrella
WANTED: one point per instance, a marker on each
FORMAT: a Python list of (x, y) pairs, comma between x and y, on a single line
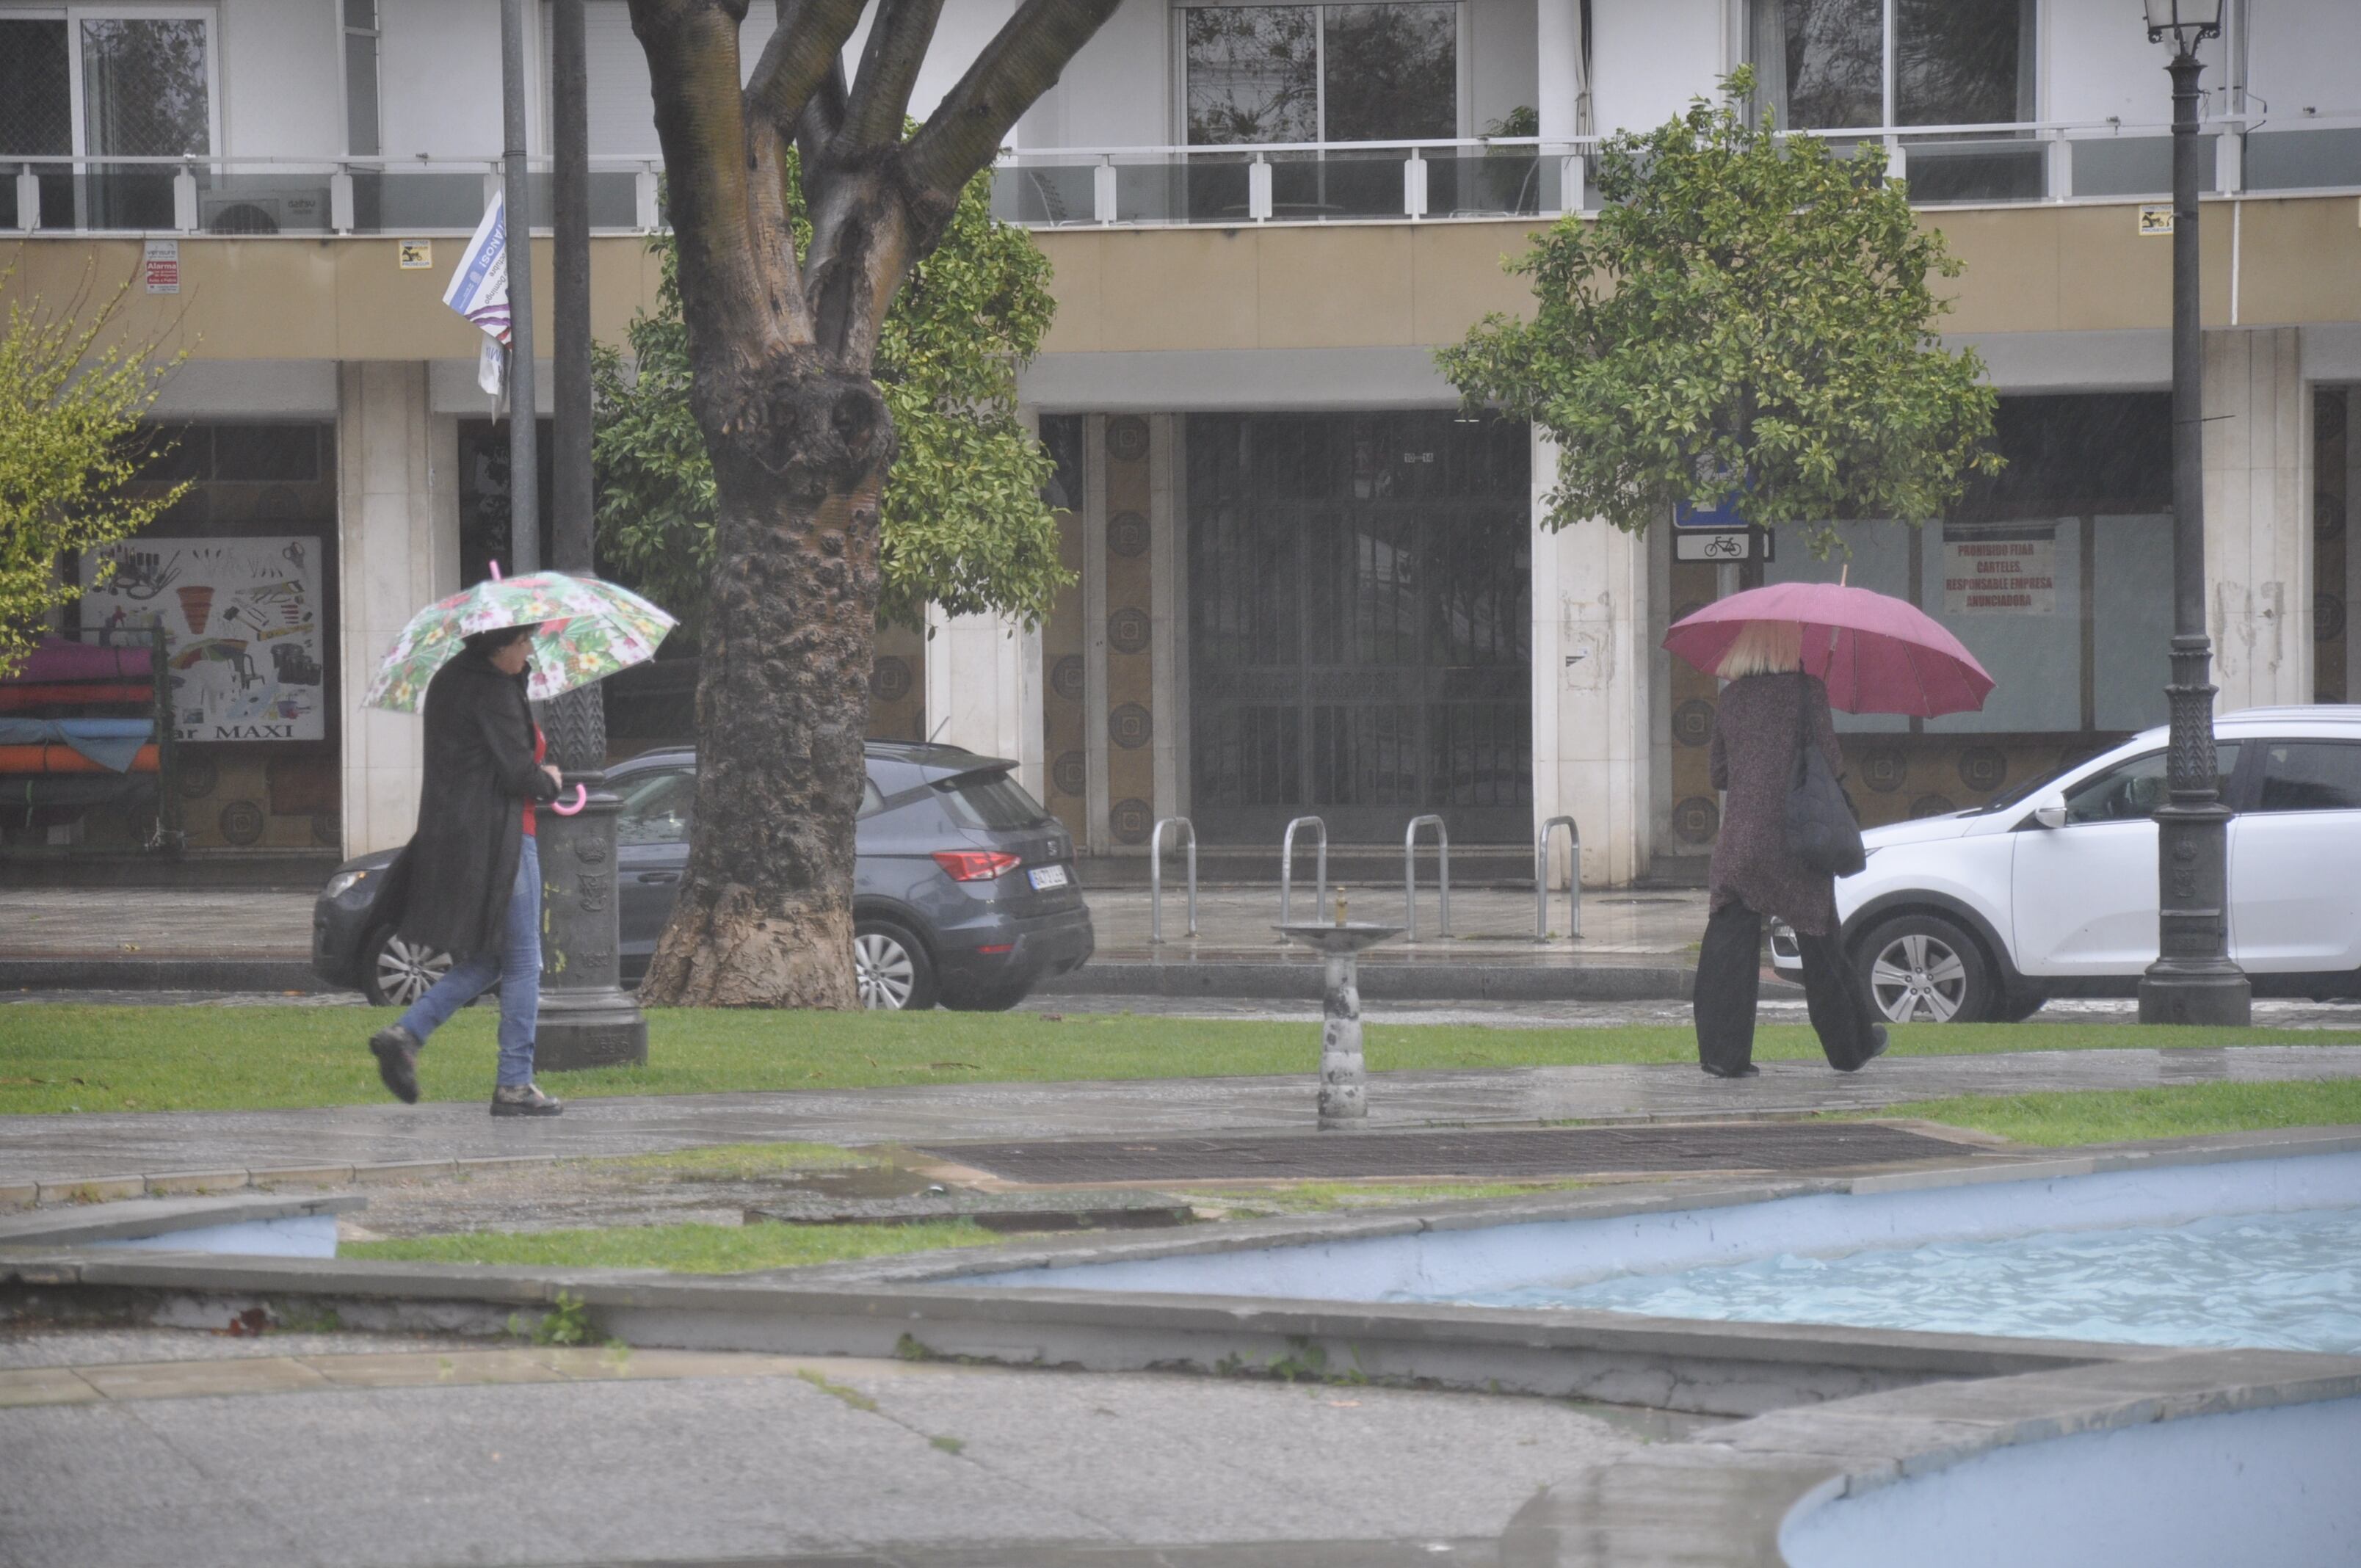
[(1788, 651)]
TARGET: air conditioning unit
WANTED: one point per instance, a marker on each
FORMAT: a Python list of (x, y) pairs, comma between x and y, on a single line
[(239, 212)]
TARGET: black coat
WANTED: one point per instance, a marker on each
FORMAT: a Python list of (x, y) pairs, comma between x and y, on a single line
[(452, 882)]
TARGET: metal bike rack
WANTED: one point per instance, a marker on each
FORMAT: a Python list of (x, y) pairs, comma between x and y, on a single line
[(1410, 874), (1572, 879), (1287, 868), (1156, 878)]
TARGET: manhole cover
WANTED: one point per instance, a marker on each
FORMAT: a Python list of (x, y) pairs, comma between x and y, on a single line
[(1508, 1153)]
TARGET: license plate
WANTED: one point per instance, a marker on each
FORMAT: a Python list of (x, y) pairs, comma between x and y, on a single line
[(1047, 876)]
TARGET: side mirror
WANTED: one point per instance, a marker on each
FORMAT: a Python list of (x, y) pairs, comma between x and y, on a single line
[(2050, 817)]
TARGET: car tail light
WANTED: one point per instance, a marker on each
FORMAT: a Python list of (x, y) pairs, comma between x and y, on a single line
[(999, 947), (976, 865)]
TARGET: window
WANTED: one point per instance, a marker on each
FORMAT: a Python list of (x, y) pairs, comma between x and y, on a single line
[(2310, 775), (1825, 64), (1308, 73), (2133, 791), (658, 809), (990, 800), (130, 84), (361, 138)]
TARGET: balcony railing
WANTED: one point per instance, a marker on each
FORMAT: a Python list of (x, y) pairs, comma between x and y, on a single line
[(1214, 186), (269, 196)]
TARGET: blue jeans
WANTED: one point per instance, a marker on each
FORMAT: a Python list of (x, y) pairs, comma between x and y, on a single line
[(516, 970)]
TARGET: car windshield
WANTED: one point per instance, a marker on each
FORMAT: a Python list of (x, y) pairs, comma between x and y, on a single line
[(990, 799)]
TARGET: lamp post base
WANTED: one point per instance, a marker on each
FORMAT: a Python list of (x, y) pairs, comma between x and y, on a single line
[(586, 1019), (2215, 997)]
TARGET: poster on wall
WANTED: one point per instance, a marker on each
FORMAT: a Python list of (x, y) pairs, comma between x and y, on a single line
[(2011, 572), (242, 627)]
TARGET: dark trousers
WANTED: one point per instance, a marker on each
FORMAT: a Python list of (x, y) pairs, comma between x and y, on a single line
[(1728, 976)]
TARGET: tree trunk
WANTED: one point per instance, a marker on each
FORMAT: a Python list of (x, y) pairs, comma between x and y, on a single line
[(765, 917)]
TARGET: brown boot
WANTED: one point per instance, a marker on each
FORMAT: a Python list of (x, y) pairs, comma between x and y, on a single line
[(523, 1100), (396, 1049)]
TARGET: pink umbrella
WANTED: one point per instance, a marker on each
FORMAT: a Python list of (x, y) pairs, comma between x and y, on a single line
[(1877, 653)]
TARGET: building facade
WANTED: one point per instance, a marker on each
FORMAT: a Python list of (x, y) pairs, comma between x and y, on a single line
[(1305, 581)]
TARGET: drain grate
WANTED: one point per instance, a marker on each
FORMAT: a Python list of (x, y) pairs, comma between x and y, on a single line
[(1507, 1153)]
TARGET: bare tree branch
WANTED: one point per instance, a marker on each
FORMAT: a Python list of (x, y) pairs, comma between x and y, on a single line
[(897, 45), (803, 54), (823, 120), (1021, 62), (726, 261)]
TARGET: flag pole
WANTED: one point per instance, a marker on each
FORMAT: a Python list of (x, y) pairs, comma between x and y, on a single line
[(525, 404)]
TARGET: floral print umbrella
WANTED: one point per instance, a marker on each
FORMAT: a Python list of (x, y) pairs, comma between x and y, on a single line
[(587, 628)]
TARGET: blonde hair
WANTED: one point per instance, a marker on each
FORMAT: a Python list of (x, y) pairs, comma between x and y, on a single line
[(1762, 648)]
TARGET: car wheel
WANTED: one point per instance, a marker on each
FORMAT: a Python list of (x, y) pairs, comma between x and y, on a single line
[(999, 999), (396, 973), (892, 968), (1922, 968)]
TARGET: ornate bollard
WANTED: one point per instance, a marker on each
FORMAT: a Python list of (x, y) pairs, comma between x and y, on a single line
[(1343, 1076), (586, 1019)]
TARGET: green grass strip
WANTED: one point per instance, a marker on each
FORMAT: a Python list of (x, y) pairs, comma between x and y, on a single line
[(2066, 1119), (684, 1249), (64, 1058)]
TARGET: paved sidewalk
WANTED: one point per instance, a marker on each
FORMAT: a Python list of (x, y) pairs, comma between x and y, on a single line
[(450, 1454), (1233, 924), (125, 1144)]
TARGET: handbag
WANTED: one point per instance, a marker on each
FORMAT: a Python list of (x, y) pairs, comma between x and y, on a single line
[(1822, 831)]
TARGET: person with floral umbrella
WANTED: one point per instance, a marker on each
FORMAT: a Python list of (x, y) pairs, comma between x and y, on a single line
[(470, 881)]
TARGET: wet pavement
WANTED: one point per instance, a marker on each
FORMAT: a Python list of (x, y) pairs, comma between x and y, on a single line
[(188, 1449), (86, 1146), (1233, 923)]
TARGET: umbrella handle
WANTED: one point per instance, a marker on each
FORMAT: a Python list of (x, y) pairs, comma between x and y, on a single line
[(581, 799)]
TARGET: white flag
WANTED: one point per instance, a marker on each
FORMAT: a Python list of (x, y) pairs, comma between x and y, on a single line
[(479, 288), (490, 365)]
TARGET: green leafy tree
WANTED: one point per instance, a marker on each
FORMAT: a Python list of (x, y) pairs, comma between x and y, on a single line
[(69, 415), (963, 523), (1747, 313)]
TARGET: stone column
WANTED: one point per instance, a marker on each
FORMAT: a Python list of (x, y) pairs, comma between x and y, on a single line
[(983, 688), (397, 551), (1592, 656), (2258, 576)]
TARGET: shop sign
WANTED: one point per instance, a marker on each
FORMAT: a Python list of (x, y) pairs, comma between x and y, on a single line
[(161, 266), (243, 625), (2008, 573)]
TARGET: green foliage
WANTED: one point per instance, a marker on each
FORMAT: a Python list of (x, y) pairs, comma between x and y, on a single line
[(569, 1325), (964, 523), (1746, 312), (2064, 1119), (687, 1248), (69, 422)]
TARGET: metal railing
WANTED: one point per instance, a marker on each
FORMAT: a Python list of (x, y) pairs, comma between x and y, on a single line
[(1287, 868), (1572, 879), (1410, 874), (1156, 878), (254, 196), (2016, 163)]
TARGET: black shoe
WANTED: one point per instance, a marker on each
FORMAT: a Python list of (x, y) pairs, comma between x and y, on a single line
[(1748, 1070), (396, 1061), (1878, 1041), (523, 1100)]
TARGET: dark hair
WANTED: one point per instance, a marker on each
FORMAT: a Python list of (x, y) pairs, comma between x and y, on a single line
[(487, 644)]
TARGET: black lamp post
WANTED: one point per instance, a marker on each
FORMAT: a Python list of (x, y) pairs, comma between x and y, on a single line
[(2193, 980)]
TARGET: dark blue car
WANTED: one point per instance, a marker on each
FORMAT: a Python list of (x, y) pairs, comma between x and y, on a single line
[(963, 892)]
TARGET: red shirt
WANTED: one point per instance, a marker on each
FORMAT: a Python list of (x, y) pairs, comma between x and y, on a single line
[(540, 750)]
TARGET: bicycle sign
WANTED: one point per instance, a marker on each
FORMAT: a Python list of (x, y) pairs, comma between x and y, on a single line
[(1729, 544)]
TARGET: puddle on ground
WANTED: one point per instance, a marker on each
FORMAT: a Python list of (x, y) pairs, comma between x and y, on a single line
[(862, 1181)]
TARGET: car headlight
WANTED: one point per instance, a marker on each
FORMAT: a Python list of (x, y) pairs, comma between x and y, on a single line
[(342, 883)]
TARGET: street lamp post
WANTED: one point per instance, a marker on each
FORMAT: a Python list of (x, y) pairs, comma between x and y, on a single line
[(2193, 980)]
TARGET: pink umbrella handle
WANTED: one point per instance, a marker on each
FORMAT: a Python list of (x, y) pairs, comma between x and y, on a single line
[(496, 570), (581, 799)]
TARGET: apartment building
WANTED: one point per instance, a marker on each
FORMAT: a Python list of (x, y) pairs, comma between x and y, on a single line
[(1306, 583)]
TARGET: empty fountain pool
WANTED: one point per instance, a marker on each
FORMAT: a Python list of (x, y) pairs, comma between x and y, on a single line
[(2247, 1252)]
